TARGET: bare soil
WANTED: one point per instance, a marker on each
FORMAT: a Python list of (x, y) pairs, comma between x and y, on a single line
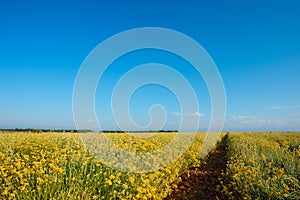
[(201, 183)]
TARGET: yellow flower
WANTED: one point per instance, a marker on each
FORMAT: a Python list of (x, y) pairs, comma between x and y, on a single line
[(108, 182), (112, 176), (21, 188), (17, 164), (5, 191), (280, 172), (40, 180)]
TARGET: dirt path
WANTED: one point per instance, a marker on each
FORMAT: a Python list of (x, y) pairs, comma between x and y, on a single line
[(201, 183)]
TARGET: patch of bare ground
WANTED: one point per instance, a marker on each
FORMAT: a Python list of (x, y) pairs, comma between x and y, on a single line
[(202, 183)]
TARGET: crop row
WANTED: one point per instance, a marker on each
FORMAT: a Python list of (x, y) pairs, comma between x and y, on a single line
[(60, 166), (263, 166)]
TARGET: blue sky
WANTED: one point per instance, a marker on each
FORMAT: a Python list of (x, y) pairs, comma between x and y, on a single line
[(255, 45)]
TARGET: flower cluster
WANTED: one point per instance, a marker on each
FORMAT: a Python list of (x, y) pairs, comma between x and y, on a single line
[(59, 166), (263, 166)]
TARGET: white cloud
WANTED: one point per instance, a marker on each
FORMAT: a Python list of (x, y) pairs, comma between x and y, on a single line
[(264, 121), (285, 107), (250, 119), (175, 113), (276, 107), (194, 114), (242, 118), (191, 114)]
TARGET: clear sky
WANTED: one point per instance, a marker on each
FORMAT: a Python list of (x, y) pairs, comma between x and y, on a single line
[(255, 45)]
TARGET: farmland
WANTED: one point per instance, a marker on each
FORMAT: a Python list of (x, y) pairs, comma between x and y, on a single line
[(59, 166), (263, 166)]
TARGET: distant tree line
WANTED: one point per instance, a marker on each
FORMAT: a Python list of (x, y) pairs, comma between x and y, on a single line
[(149, 131), (33, 130), (113, 131), (169, 131)]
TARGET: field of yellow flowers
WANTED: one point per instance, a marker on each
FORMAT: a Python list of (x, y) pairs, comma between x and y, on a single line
[(58, 166), (262, 166)]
